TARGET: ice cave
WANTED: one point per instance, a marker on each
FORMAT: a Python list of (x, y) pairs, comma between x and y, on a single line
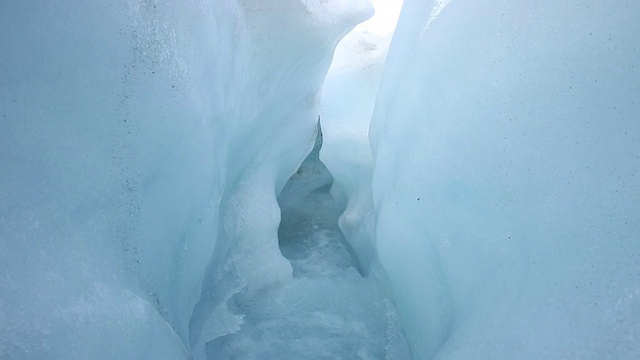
[(319, 179)]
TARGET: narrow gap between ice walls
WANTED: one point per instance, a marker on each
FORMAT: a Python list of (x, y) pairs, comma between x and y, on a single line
[(319, 304), (309, 235), (250, 303), (340, 313)]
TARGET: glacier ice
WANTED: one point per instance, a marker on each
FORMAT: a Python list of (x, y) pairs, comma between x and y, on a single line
[(506, 147), (483, 179), (321, 312), (355, 75), (143, 146)]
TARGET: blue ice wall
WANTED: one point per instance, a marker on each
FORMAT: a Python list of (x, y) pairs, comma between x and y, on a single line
[(143, 144), (506, 140), (129, 131), (111, 174)]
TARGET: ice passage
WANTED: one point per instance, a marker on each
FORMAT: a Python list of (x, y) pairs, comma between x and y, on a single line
[(166, 191)]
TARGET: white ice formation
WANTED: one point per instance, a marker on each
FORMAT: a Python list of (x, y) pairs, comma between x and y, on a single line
[(165, 191)]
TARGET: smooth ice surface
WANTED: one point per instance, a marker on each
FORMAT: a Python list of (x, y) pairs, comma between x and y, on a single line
[(506, 141), (349, 94)]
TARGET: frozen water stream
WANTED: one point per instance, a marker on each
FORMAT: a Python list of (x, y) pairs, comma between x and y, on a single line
[(328, 310)]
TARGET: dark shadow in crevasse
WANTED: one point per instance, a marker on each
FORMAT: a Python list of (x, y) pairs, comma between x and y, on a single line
[(309, 235)]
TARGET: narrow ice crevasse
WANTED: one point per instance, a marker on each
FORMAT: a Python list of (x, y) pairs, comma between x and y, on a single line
[(328, 309), (309, 235), (489, 164), (335, 306), (276, 127)]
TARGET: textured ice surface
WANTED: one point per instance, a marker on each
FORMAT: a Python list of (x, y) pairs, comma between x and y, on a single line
[(507, 148), (139, 138), (309, 235), (328, 311), (143, 144), (290, 52)]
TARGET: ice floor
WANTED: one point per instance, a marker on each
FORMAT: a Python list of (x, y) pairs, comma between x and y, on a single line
[(328, 310)]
